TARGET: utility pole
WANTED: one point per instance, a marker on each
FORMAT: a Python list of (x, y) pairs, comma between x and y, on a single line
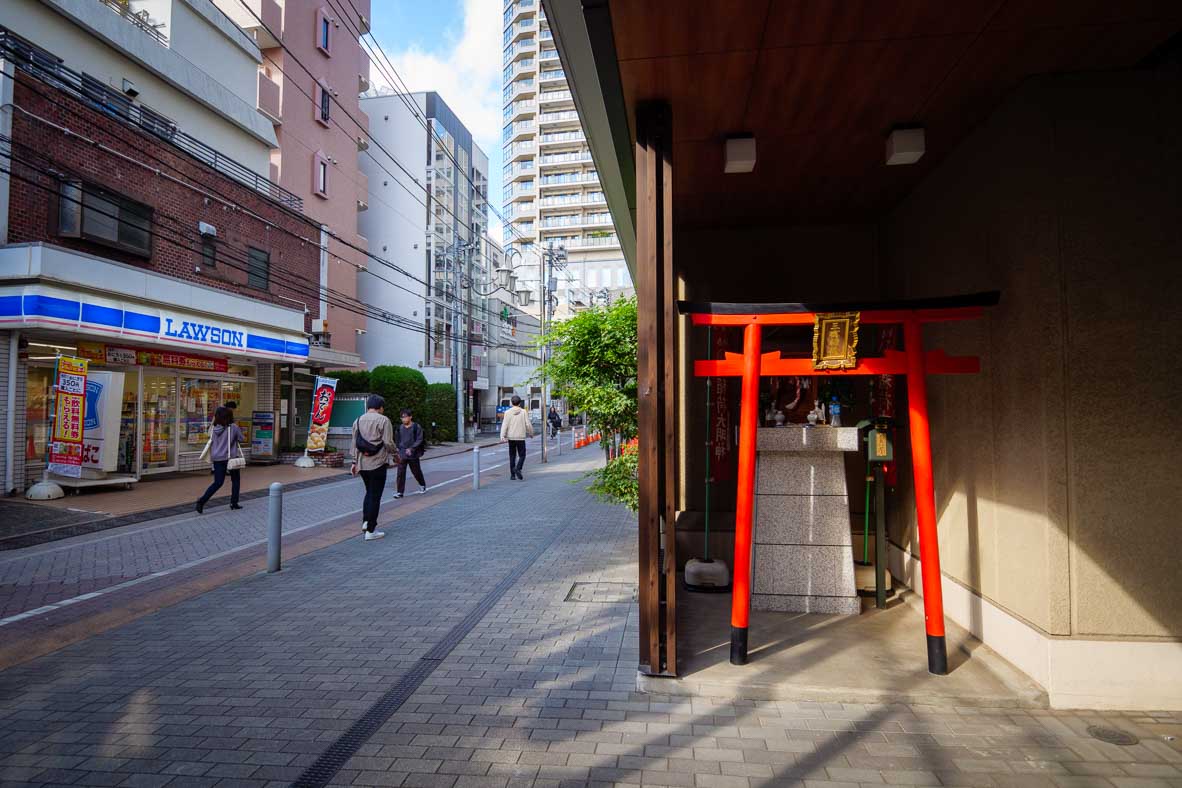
[(545, 269)]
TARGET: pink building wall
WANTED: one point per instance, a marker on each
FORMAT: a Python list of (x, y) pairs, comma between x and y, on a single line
[(302, 137)]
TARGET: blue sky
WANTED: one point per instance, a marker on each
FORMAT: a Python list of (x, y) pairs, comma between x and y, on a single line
[(452, 47)]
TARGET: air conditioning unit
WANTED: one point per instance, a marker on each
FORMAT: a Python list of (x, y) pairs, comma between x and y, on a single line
[(319, 326)]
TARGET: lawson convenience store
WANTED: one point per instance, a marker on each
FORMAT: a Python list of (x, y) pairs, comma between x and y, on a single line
[(158, 368)]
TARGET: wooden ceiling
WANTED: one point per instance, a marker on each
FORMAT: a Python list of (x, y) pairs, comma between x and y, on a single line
[(820, 83)]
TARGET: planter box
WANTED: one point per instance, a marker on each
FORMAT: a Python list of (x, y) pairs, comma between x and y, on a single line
[(334, 460)]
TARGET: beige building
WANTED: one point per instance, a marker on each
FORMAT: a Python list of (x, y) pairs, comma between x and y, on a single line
[(552, 192)]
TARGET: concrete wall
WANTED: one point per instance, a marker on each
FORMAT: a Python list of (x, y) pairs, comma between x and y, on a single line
[(396, 226), (1055, 494)]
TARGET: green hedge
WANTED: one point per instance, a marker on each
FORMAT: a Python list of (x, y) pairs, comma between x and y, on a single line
[(402, 387), (351, 381), (439, 406)]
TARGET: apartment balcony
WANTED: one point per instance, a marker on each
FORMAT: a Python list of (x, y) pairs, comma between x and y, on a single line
[(553, 96), (520, 87), (521, 131), (526, 46), (512, 174), (575, 201), (363, 71), (562, 138), (362, 130), (362, 191), (566, 116), (364, 13), (553, 75), (520, 150), (270, 100), (595, 242), (549, 57), (263, 20), (566, 158), (520, 110)]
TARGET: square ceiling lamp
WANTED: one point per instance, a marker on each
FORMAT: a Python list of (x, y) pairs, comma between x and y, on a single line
[(740, 154), (904, 146)]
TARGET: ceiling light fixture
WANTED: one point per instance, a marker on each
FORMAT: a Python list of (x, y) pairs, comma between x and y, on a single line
[(905, 146), (740, 153)]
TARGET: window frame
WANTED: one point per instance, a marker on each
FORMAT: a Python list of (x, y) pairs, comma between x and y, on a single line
[(209, 253), (252, 271), (320, 167), (78, 207), (324, 31)]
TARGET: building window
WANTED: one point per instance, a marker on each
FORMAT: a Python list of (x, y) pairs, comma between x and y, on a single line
[(209, 253), (322, 105), (324, 31), (91, 213), (320, 175), (258, 272)]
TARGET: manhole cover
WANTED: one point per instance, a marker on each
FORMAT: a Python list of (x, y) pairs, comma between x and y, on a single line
[(602, 592), (1112, 735)]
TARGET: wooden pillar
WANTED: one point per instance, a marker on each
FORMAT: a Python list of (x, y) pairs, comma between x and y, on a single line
[(656, 388), (925, 497)]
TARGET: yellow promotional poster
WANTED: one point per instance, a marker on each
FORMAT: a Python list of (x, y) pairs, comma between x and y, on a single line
[(65, 445)]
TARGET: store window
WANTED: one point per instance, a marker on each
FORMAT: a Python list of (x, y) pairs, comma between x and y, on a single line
[(200, 397), (38, 406), (159, 449)]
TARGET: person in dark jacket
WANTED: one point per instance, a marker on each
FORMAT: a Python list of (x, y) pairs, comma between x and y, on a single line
[(555, 422), (224, 440), (412, 442)]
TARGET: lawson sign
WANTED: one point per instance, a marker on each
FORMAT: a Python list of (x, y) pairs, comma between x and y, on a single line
[(97, 316)]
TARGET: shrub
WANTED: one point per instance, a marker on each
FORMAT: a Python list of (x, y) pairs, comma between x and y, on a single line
[(440, 407), (402, 387), (351, 381), (617, 482)]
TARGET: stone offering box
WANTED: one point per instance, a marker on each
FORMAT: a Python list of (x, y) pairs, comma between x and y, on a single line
[(802, 552)]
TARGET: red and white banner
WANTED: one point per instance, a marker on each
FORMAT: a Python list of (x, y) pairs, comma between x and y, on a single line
[(323, 397), (65, 444)]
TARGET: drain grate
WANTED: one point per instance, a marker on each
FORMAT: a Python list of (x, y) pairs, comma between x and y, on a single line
[(603, 593), (1113, 735)]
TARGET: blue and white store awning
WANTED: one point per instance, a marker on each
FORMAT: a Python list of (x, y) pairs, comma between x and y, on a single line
[(64, 298)]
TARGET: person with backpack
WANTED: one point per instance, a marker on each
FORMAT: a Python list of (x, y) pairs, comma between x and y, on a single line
[(373, 447), (225, 439), (516, 428), (412, 442)]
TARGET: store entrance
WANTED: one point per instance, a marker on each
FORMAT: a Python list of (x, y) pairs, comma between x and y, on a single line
[(160, 414)]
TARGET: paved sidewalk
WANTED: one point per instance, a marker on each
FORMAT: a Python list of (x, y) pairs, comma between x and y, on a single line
[(458, 652)]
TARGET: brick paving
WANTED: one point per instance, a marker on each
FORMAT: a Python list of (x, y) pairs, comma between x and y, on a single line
[(249, 684)]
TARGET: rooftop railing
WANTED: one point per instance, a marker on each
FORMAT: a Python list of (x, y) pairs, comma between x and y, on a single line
[(139, 19), (48, 68)]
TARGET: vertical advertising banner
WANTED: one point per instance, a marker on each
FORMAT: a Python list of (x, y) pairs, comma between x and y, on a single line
[(100, 424), (323, 396), (69, 409), (722, 466), (262, 434)]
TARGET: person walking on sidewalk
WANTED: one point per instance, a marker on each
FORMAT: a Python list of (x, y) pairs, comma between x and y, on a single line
[(373, 447), (516, 428), (224, 443), (412, 442), (555, 422)]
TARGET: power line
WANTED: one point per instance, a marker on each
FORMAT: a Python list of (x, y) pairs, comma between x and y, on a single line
[(229, 201)]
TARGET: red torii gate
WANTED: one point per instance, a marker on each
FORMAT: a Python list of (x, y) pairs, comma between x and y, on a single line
[(913, 362)]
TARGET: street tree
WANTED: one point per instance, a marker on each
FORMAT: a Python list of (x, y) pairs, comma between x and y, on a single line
[(592, 365)]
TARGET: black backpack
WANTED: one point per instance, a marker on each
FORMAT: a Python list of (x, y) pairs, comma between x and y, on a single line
[(365, 447)]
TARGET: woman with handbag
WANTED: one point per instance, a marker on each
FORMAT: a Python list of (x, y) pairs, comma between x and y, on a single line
[(225, 451)]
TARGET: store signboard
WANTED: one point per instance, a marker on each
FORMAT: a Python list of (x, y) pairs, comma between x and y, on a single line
[(323, 396), (128, 356), (100, 437), (62, 309), (262, 434), (65, 446)]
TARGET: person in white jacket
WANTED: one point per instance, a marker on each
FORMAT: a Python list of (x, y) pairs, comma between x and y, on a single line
[(516, 428)]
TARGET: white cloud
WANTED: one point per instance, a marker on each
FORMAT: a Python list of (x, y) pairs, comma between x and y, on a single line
[(466, 72)]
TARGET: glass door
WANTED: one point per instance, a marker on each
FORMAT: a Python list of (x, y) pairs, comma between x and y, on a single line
[(160, 421)]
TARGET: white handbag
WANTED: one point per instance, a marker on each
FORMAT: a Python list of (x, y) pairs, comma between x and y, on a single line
[(205, 452), (234, 463)]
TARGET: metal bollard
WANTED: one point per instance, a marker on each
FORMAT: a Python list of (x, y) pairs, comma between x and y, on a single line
[(560, 443), (475, 467), (274, 527)]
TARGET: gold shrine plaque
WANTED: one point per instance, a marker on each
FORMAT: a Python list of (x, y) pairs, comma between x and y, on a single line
[(835, 340)]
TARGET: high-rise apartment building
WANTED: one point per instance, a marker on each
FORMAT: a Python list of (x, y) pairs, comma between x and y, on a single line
[(552, 194)]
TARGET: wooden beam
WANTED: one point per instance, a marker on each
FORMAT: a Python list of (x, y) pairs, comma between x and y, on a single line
[(669, 411), (649, 374)]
